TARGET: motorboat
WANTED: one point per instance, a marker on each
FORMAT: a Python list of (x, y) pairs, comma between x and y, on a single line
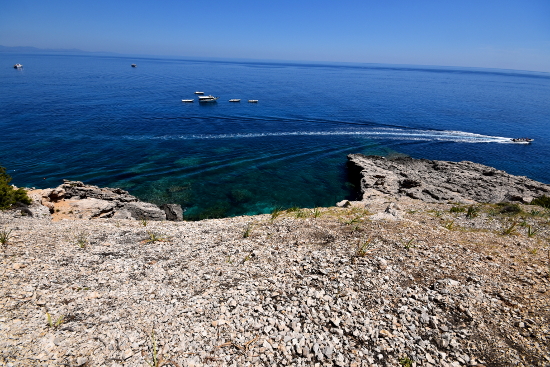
[(207, 99), (252, 101), (199, 93), (234, 100), (17, 66), (522, 140), (188, 100), (134, 65)]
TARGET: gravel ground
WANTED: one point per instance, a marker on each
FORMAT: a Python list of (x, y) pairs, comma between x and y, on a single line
[(373, 284)]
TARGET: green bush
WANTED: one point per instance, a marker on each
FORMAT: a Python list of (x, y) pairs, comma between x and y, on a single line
[(543, 201), (509, 208), (9, 195)]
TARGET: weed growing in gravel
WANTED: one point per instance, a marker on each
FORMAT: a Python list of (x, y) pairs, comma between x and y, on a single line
[(153, 237), (82, 240), (275, 213), (363, 248), (511, 229), (316, 212), (531, 232), (5, 235), (409, 244), (472, 212), (449, 225), (406, 362), (292, 209), (51, 323), (543, 201), (143, 221), (436, 213), (157, 360), (301, 214), (457, 209), (248, 230)]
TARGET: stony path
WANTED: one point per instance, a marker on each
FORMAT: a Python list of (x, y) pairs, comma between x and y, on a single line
[(412, 285)]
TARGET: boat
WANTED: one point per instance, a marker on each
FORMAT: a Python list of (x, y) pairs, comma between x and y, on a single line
[(134, 65), (199, 92), (522, 140), (234, 100), (207, 99), (188, 100), (17, 66), (252, 101)]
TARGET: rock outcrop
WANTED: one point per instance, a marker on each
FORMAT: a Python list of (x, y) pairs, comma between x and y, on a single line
[(77, 200), (441, 181)]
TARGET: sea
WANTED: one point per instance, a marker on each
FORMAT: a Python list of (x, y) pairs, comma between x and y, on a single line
[(96, 119)]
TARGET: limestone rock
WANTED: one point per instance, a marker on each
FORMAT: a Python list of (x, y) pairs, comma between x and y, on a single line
[(173, 212), (441, 181)]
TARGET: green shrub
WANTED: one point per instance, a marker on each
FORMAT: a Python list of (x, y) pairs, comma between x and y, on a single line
[(9, 195), (508, 208), (457, 209), (542, 200)]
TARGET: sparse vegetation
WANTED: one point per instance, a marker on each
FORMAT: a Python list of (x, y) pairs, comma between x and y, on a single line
[(472, 212), (509, 209), (8, 194), (531, 232), (276, 213), (153, 237), (363, 248), (409, 244), (51, 323), (406, 362), (82, 240), (511, 229), (5, 236), (543, 201), (316, 212), (449, 225), (156, 359), (248, 230), (457, 209)]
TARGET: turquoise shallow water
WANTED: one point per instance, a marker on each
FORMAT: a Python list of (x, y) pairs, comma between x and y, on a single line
[(98, 120)]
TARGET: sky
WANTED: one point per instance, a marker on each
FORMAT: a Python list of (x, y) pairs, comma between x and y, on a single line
[(506, 34)]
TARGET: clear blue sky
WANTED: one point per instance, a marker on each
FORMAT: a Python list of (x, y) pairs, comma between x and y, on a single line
[(510, 34)]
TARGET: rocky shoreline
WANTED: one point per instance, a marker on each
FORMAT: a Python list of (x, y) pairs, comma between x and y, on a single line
[(423, 271)]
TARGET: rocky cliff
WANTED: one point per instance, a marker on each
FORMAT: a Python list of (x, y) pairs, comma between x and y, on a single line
[(441, 181), (74, 199)]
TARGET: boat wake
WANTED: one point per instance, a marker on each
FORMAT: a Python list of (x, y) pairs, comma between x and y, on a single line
[(382, 134)]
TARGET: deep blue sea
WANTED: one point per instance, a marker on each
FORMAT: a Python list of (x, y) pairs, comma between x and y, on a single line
[(98, 120)]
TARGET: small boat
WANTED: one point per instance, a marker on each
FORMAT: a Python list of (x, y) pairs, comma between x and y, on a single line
[(252, 101), (17, 66), (522, 140), (188, 100), (199, 93), (134, 65), (234, 100), (207, 99)]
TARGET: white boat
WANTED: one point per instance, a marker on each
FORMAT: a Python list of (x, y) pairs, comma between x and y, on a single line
[(234, 100), (188, 100), (199, 92), (134, 65), (207, 99), (17, 66), (252, 101), (522, 140)]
